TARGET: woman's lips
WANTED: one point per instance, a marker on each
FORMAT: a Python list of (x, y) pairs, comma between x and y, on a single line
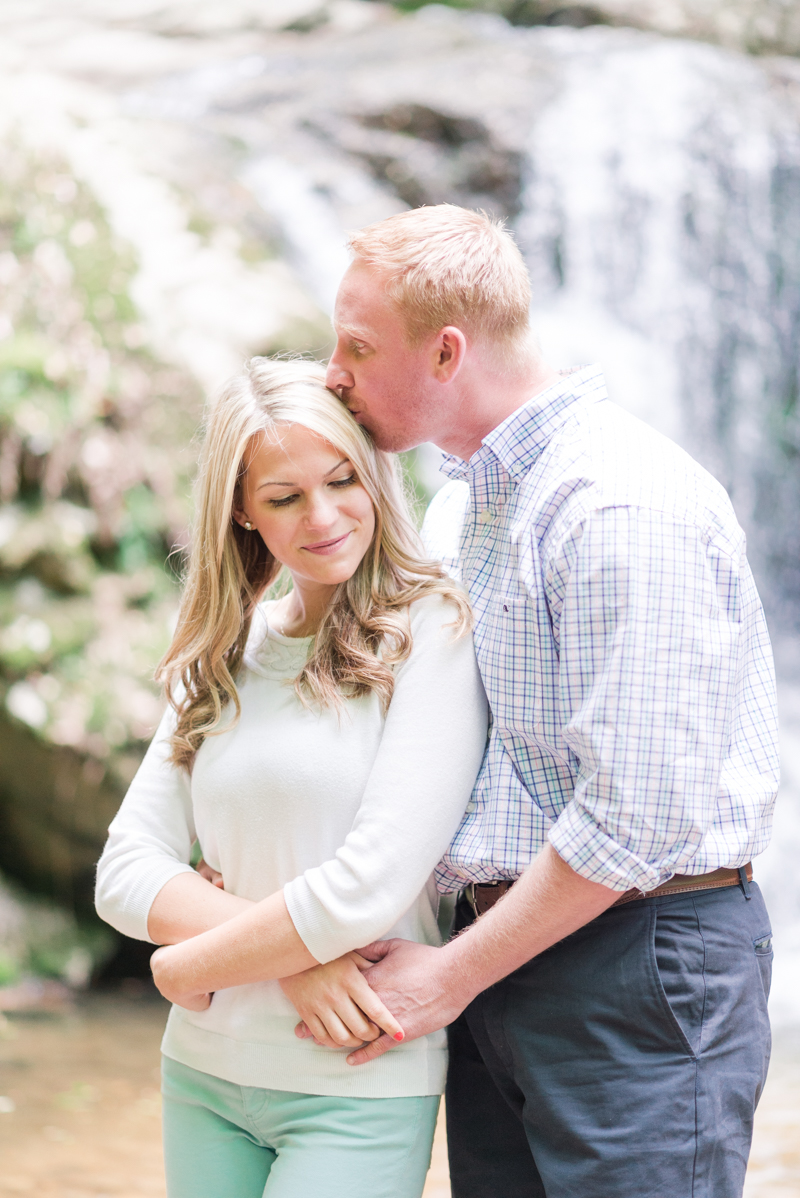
[(326, 547)]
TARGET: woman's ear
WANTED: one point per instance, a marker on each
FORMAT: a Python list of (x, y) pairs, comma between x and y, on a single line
[(240, 516)]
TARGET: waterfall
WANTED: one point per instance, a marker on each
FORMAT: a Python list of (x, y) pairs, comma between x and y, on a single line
[(661, 224)]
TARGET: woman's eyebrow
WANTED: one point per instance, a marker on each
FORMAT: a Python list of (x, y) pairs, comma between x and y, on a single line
[(344, 462)]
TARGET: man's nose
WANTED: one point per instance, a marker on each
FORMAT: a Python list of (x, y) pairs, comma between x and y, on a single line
[(336, 378)]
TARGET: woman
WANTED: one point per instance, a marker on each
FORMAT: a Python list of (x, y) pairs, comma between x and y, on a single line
[(321, 747)]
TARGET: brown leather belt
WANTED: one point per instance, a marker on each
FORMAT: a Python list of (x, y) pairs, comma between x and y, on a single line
[(483, 896)]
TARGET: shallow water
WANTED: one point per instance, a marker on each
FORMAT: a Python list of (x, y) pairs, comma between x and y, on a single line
[(86, 1117)]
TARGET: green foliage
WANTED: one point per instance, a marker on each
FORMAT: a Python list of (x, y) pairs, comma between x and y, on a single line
[(95, 459), (413, 5), (418, 494), (523, 12), (9, 969), (39, 938)]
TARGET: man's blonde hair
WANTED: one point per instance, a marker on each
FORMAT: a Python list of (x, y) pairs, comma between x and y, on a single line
[(447, 265)]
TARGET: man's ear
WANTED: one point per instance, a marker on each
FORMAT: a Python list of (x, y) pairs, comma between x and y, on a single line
[(450, 351)]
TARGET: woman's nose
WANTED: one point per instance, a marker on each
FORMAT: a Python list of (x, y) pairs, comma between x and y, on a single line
[(321, 512)]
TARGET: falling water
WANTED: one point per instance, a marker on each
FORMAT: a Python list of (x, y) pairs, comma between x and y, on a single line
[(661, 223)]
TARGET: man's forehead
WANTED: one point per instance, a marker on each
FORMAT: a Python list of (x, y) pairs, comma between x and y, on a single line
[(360, 299)]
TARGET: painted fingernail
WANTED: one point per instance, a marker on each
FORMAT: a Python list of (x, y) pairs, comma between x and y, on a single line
[(399, 1036)]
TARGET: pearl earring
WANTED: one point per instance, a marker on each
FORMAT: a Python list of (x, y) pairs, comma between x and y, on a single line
[(248, 526)]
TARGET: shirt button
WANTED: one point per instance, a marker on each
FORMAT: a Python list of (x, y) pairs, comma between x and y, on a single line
[(486, 516)]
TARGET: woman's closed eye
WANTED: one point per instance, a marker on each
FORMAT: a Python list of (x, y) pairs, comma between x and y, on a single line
[(338, 483), (284, 501)]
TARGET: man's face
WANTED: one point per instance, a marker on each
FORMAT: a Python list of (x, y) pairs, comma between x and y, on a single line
[(387, 384)]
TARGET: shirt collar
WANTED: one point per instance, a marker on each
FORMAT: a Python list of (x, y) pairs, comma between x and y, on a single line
[(522, 435)]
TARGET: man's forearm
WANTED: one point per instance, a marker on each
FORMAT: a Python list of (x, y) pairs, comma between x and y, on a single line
[(549, 902)]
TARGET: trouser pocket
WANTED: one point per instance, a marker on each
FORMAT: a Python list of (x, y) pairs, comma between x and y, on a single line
[(678, 955), (762, 947)]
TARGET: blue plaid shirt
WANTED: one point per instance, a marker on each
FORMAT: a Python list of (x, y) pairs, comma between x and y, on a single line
[(622, 644)]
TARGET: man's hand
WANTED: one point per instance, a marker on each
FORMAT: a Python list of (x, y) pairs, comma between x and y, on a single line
[(211, 875), (337, 1007), (427, 988), (167, 977), (409, 978)]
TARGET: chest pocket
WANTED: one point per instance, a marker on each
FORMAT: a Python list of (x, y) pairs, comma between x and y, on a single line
[(519, 664)]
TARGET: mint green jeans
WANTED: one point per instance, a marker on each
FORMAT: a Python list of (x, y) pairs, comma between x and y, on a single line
[(227, 1141)]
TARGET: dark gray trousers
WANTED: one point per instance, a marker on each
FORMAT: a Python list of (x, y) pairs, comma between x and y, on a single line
[(624, 1062)]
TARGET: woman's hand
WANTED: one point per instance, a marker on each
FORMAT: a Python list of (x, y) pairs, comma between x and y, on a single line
[(337, 1006), (165, 964)]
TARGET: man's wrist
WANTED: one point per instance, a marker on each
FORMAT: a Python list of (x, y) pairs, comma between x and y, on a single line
[(455, 979)]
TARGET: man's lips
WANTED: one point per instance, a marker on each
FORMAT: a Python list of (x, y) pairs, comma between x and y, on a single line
[(349, 403), (326, 547)]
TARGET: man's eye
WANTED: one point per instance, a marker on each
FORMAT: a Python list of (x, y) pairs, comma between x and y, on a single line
[(356, 347), (345, 482), (284, 502)]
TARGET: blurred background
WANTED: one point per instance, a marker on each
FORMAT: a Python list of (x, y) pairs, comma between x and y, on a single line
[(176, 181)]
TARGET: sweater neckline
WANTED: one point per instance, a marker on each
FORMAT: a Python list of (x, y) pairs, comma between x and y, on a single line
[(273, 634), (271, 654)]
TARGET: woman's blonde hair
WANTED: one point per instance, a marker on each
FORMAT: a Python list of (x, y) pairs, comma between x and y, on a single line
[(230, 569), (446, 265)]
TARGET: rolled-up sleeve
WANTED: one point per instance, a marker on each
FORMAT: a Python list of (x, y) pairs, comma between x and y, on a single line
[(429, 756), (648, 636), (149, 841)]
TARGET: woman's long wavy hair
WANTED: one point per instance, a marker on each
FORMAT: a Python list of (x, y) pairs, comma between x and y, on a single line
[(230, 569)]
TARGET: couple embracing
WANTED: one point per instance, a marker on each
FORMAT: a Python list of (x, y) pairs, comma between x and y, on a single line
[(559, 710)]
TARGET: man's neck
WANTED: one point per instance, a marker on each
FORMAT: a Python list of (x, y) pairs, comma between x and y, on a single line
[(487, 399)]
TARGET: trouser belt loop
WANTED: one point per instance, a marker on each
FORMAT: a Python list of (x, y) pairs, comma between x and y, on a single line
[(744, 883)]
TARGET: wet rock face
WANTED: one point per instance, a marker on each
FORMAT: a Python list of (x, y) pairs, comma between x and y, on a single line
[(435, 157), (428, 155), (752, 26)]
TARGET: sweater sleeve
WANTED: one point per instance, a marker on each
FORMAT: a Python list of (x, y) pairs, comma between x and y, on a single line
[(149, 841), (429, 756)]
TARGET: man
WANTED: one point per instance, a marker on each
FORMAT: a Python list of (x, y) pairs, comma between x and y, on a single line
[(609, 1032)]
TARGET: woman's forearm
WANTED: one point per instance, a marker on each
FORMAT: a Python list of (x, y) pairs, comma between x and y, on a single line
[(255, 946), (187, 906)]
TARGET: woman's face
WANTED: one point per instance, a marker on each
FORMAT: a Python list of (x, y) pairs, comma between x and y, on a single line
[(303, 497)]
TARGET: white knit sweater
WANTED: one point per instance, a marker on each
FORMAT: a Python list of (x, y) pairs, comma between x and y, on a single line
[(347, 813)]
